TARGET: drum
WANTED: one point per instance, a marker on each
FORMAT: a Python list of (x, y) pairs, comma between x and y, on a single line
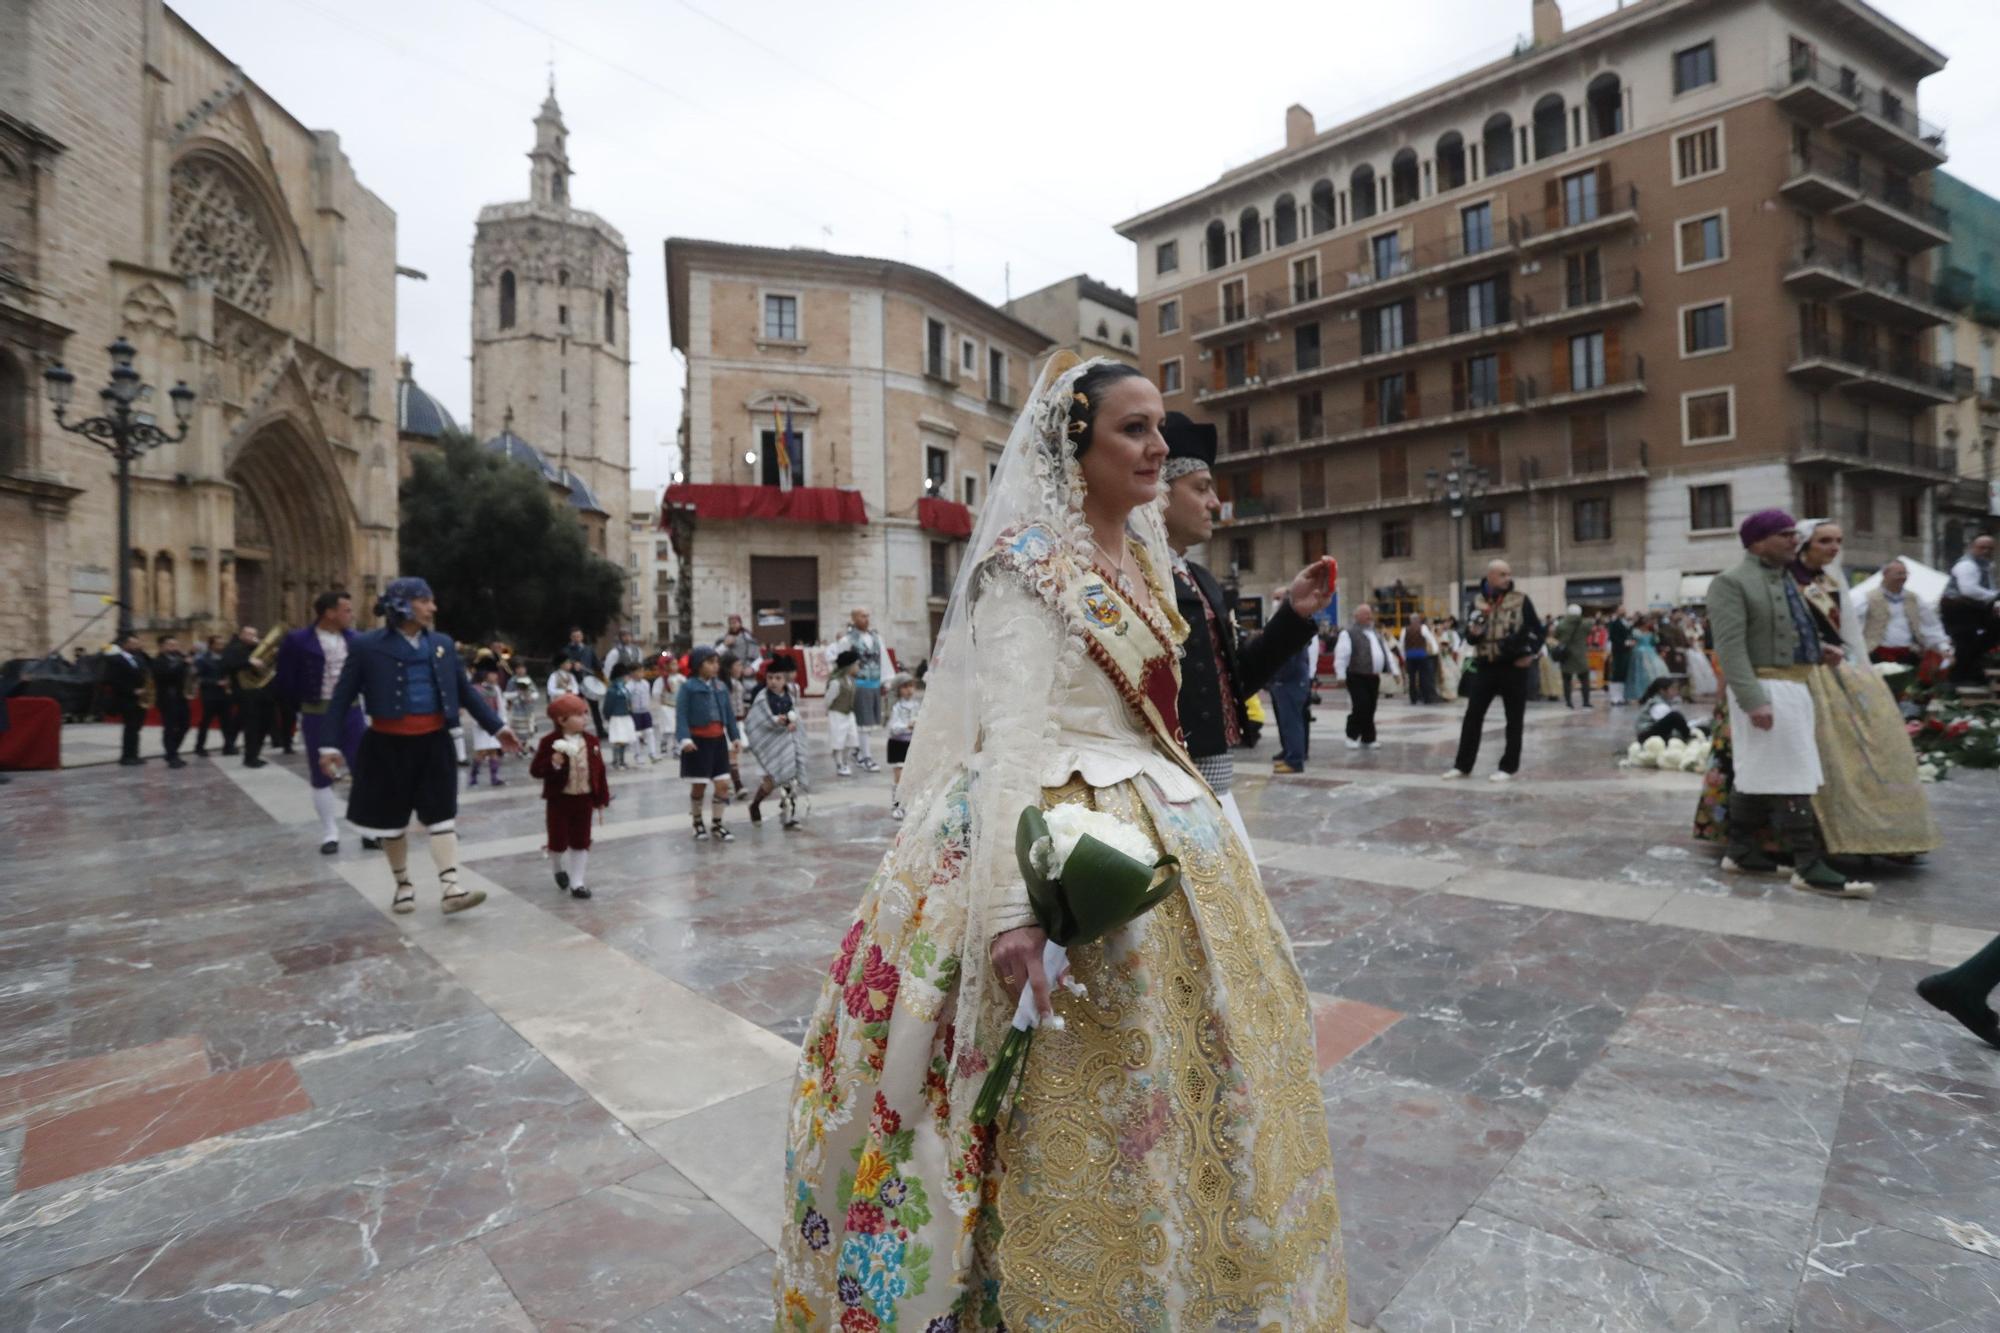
[(594, 689)]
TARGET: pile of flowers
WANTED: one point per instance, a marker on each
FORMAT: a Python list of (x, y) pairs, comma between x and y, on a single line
[(1676, 755), (1949, 733)]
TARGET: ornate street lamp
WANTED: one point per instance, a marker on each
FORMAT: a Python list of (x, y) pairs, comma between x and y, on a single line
[(1455, 489), (127, 433)]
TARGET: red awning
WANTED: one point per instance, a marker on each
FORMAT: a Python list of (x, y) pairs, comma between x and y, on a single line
[(801, 504), (944, 516)]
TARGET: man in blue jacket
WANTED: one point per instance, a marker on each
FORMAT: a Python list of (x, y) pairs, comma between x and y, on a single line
[(309, 666), (409, 677)]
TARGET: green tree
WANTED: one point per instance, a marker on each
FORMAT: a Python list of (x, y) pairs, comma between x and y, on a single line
[(504, 557)]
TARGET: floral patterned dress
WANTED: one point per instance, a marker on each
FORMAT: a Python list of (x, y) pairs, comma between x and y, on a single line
[(1164, 1163)]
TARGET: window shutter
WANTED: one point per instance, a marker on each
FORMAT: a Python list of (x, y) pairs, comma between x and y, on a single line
[(1250, 357), (1216, 372), (1559, 368), (1410, 395), (1409, 320), (1552, 202), (1455, 309), (1506, 376), (1458, 386), (1370, 407), (1604, 188), (1614, 359)]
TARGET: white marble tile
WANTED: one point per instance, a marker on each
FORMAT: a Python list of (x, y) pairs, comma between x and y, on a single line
[(735, 1152), (1617, 900), (1858, 931), (1409, 872)]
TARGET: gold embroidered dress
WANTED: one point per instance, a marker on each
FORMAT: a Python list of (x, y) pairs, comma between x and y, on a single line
[(1165, 1164)]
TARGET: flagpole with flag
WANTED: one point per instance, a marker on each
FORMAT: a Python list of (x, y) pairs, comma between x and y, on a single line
[(783, 445)]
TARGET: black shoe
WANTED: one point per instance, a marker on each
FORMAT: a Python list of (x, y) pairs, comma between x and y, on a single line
[(228, 751), (285, 749), (720, 832), (130, 761), (757, 811), (371, 844), (175, 761), (200, 753), (330, 847), (247, 763), (1977, 1018), (700, 830), (562, 879), (580, 891)]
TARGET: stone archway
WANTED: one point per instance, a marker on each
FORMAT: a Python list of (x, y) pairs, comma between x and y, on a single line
[(294, 534)]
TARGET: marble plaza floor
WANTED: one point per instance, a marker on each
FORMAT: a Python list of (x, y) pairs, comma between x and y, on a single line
[(1575, 1078)]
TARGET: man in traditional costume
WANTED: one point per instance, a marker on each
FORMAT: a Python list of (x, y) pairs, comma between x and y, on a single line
[(1220, 670), (1971, 610), (1507, 635), (1765, 636), (869, 655), (1360, 660), (413, 683), (309, 664), (1896, 624)]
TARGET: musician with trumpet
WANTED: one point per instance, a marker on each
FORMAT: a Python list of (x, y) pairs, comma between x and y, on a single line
[(125, 675), (173, 686), (250, 665)]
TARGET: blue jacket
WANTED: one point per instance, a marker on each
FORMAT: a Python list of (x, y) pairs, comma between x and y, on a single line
[(302, 665), (701, 702), (375, 673)]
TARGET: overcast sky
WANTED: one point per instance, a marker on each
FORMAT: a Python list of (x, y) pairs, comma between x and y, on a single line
[(994, 144)]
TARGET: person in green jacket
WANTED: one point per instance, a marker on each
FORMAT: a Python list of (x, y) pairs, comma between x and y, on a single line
[(1766, 638), (1572, 636)]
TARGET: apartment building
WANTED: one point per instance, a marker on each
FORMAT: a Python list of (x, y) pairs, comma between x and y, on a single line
[(1969, 277), (892, 391), (1085, 316), (1631, 283)]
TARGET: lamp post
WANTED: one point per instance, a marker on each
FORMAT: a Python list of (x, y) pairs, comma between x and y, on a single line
[(1455, 488), (127, 434)]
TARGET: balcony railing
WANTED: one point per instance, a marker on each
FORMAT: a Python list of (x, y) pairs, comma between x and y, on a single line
[(1595, 204), (1852, 442), (1866, 358), (1870, 185), (1967, 493), (1879, 278), (1844, 91), (1373, 273)]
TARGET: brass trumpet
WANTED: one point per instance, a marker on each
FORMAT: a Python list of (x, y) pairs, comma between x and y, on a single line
[(263, 668)]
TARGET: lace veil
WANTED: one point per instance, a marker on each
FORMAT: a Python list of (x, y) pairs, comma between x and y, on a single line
[(963, 726)]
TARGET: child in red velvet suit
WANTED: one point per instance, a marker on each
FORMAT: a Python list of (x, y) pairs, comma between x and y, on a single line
[(571, 768)]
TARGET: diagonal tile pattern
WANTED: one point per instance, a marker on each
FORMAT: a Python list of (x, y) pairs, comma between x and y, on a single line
[(1574, 1076)]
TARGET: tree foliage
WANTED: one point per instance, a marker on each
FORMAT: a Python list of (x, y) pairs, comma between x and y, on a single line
[(505, 558)]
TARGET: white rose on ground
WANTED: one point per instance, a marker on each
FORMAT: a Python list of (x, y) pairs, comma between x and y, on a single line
[(1927, 773)]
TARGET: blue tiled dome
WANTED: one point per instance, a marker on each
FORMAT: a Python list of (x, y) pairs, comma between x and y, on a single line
[(418, 412), (580, 494), (511, 446)]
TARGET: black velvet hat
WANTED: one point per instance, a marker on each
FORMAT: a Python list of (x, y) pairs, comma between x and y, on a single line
[(1190, 446)]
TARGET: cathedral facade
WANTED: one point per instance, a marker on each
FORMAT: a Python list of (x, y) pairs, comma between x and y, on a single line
[(551, 340), (177, 205)]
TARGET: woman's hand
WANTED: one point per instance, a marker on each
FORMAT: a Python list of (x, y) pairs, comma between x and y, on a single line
[(1017, 958)]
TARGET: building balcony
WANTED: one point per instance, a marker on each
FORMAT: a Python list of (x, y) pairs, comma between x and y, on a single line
[(1863, 370), (1873, 291), (1821, 180), (1407, 268), (1885, 207), (1533, 469), (1617, 292), (1854, 448), (1869, 118), (1966, 495), (1419, 412), (1618, 382), (1596, 211)]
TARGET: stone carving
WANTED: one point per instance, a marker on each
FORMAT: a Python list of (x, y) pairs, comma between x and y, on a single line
[(147, 308), (220, 234)]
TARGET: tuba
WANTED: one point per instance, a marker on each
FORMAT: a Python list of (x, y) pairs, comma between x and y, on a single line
[(263, 668)]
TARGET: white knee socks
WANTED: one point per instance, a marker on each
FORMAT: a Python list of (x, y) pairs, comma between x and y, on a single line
[(574, 861), (397, 850), (444, 855), (325, 806)]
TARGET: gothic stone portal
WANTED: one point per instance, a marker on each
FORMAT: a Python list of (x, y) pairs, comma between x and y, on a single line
[(293, 540)]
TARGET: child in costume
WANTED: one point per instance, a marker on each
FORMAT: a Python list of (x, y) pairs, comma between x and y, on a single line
[(571, 767), (523, 705), (902, 726), (666, 682), (640, 686), (485, 744), (731, 677), (1660, 711), (619, 728), (842, 733), (777, 735), (706, 733)]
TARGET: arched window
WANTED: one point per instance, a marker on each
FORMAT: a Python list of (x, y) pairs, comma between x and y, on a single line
[(610, 315), (507, 298), (1285, 220), (163, 587), (1497, 144), (1217, 244), (562, 277), (1606, 99), (1249, 233), (1361, 191), (1551, 127), (1403, 178), (142, 585), (13, 416), (1103, 330), (1322, 206), (1450, 160)]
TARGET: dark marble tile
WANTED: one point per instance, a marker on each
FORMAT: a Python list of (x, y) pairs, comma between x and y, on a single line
[(1862, 1277), (1919, 1153), (1788, 980), (1927, 1042), (618, 1251), (458, 1291), (1409, 1160), (1592, 960), (1502, 1045), (1493, 1273), (1745, 1039)]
